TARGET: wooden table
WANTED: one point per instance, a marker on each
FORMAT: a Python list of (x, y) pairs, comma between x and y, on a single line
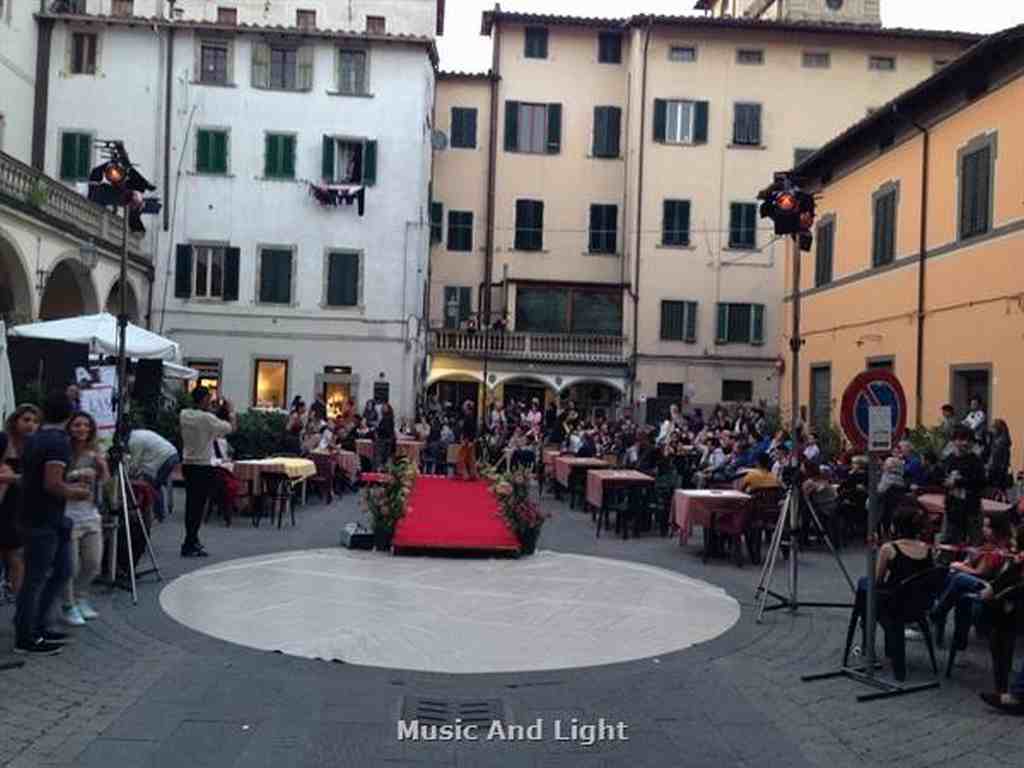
[(410, 449), (566, 467), (601, 480), (935, 505), (725, 512), (281, 474)]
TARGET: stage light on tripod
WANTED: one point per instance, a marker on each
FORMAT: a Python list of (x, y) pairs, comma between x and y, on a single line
[(114, 174), (786, 202)]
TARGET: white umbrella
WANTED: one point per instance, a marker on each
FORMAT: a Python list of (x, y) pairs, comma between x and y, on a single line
[(180, 372), (7, 403), (101, 334)]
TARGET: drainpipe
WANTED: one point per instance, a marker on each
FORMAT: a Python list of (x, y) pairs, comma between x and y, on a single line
[(639, 214), (41, 105), (168, 108), (922, 258), (492, 162)]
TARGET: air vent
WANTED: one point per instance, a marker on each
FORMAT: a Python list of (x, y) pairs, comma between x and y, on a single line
[(431, 710)]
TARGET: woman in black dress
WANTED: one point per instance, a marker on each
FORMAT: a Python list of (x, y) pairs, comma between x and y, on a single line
[(20, 424), (384, 437)]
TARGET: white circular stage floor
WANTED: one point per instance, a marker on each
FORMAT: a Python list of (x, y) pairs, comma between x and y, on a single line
[(548, 611)]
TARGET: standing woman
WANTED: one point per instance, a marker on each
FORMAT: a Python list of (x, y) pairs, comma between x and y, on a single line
[(997, 468), (467, 438), (384, 437), (87, 467), (20, 424)]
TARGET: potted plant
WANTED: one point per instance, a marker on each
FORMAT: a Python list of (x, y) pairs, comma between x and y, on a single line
[(522, 514), (385, 500)]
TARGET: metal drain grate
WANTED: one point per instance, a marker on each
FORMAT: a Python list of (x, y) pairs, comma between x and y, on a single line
[(432, 710)]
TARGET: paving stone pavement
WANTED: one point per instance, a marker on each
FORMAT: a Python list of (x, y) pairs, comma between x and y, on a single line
[(138, 689)]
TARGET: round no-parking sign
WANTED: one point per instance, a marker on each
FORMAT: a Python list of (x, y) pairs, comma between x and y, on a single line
[(874, 411)]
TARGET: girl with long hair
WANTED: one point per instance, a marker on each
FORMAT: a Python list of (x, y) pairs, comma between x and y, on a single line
[(89, 466), (19, 425)]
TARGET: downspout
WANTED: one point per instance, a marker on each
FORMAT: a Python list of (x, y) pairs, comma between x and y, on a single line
[(922, 258), (492, 161), (41, 106), (639, 214), (168, 108)]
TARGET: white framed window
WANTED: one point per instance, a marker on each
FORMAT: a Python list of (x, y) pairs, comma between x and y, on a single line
[(679, 122), (83, 52), (208, 271), (750, 56), (349, 160), (817, 59), (352, 72), (684, 54), (214, 61), (882, 63)]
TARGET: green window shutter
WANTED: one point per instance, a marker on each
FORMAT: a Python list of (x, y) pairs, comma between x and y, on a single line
[(261, 65), (231, 264), (69, 155), (370, 163), (327, 159), (722, 332), (700, 122), (554, 145), (511, 126), (275, 277), (750, 224), (203, 152), (343, 280), (735, 224), (304, 68), (270, 156), (757, 325), (660, 119), (465, 304), (666, 320), (183, 272), (691, 322), (436, 222), (219, 152), (288, 149), (84, 155), (614, 131), (600, 133), (978, 195)]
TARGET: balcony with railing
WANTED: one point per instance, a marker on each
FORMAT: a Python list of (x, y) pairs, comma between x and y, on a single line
[(535, 347), (41, 197)]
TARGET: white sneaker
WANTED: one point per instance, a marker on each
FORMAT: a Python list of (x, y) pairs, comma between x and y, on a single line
[(71, 616), (87, 611)]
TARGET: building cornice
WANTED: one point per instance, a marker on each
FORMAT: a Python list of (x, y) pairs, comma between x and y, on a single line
[(156, 22)]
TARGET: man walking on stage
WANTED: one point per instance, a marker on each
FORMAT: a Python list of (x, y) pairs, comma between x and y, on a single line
[(199, 428), (467, 448)]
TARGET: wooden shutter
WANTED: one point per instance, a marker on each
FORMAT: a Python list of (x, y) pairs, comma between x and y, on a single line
[(231, 265), (183, 272), (754, 124), (750, 225), (451, 296), (350, 277), (261, 65), (359, 67), (982, 190), (69, 155), (270, 166), (823, 255), (219, 151), (327, 159), (554, 145), (676, 222), (203, 152), (722, 332), (600, 133), (757, 324), (511, 126), (690, 334), (735, 224), (700, 122), (614, 131), (370, 163), (671, 322), (304, 68), (436, 222), (465, 304), (660, 119), (538, 225), (596, 227)]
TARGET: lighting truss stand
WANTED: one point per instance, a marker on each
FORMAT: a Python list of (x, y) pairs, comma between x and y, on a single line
[(130, 504), (791, 511)]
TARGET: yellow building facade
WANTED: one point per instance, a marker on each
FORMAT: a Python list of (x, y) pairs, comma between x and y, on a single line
[(607, 194), (917, 261)]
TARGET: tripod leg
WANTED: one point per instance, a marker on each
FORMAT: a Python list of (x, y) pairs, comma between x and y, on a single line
[(123, 482), (831, 547), (769, 565), (772, 546), (145, 532)]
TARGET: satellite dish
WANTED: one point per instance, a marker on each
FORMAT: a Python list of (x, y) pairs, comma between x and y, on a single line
[(439, 140)]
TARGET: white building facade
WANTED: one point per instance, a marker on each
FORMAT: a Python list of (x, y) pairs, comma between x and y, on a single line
[(294, 164)]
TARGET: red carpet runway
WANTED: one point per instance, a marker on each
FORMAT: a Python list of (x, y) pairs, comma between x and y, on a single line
[(453, 515)]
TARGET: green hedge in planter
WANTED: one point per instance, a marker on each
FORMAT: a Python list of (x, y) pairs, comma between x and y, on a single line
[(260, 434)]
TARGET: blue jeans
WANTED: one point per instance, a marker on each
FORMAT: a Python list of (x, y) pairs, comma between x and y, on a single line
[(159, 482), (47, 569), (957, 585)]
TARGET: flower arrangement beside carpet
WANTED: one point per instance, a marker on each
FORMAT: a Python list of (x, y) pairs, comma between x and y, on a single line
[(385, 500), (521, 514)]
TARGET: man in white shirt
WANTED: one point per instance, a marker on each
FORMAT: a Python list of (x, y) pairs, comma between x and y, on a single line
[(199, 428), (156, 458)]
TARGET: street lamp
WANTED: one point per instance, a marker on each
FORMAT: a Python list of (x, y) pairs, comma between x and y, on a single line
[(88, 256)]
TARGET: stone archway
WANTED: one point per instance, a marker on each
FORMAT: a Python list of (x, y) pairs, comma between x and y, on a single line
[(15, 286), (69, 292), (113, 305)]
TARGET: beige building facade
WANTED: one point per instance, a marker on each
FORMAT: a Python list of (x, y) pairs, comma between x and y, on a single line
[(602, 181)]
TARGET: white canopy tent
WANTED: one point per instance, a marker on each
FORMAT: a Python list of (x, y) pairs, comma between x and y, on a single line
[(100, 333)]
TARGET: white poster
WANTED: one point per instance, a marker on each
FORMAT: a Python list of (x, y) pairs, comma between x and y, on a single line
[(98, 402), (879, 428)]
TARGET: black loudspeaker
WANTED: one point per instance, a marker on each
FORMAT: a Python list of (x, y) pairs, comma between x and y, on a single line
[(355, 536), (55, 361), (149, 380), (381, 391)]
